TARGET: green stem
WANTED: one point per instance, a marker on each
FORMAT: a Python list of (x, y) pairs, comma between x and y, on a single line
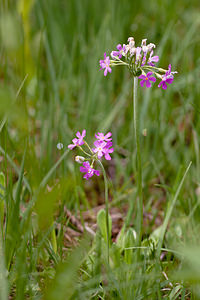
[(53, 239), (106, 202), (88, 147), (138, 163)]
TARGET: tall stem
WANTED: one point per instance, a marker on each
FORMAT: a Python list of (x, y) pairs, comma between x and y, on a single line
[(106, 202), (138, 163)]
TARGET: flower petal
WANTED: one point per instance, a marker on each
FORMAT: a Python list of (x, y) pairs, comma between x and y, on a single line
[(71, 146), (152, 79), (83, 170), (149, 74), (97, 172), (148, 84), (107, 156), (83, 133), (164, 85), (142, 77), (108, 135), (86, 164), (142, 82), (155, 58), (169, 80)]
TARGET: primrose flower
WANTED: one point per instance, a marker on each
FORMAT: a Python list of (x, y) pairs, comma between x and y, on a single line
[(88, 170), (167, 78), (121, 51), (101, 137), (78, 141), (103, 149), (105, 64), (152, 59), (146, 79), (100, 148), (140, 62)]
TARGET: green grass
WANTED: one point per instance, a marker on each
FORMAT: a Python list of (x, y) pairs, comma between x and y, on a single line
[(50, 87)]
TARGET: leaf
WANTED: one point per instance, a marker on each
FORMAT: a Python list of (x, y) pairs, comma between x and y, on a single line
[(176, 291), (2, 195), (101, 221), (129, 241)]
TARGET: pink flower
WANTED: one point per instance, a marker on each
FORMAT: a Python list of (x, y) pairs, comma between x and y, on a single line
[(121, 51), (102, 149), (146, 79), (78, 141), (152, 59), (167, 78), (101, 137), (105, 64), (88, 170), (99, 148)]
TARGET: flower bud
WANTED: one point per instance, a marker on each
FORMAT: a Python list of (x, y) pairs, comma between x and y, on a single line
[(150, 47), (144, 42), (131, 42), (59, 146), (79, 159), (112, 55), (131, 39)]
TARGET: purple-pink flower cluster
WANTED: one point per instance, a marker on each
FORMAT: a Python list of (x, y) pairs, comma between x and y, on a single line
[(102, 148), (140, 62)]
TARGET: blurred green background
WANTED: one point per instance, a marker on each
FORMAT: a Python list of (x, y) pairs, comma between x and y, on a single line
[(51, 86)]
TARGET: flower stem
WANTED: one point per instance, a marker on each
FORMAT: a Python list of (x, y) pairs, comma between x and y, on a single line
[(106, 202), (138, 163)]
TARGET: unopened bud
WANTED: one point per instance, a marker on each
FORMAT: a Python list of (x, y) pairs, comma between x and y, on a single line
[(131, 39), (59, 146), (131, 42), (151, 46), (79, 159), (144, 42)]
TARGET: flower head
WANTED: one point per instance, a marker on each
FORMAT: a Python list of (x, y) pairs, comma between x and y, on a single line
[(138, 60), (101, 137), (146, 79), (105, 64), (78, 141), (88, 170), (103, 147)]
